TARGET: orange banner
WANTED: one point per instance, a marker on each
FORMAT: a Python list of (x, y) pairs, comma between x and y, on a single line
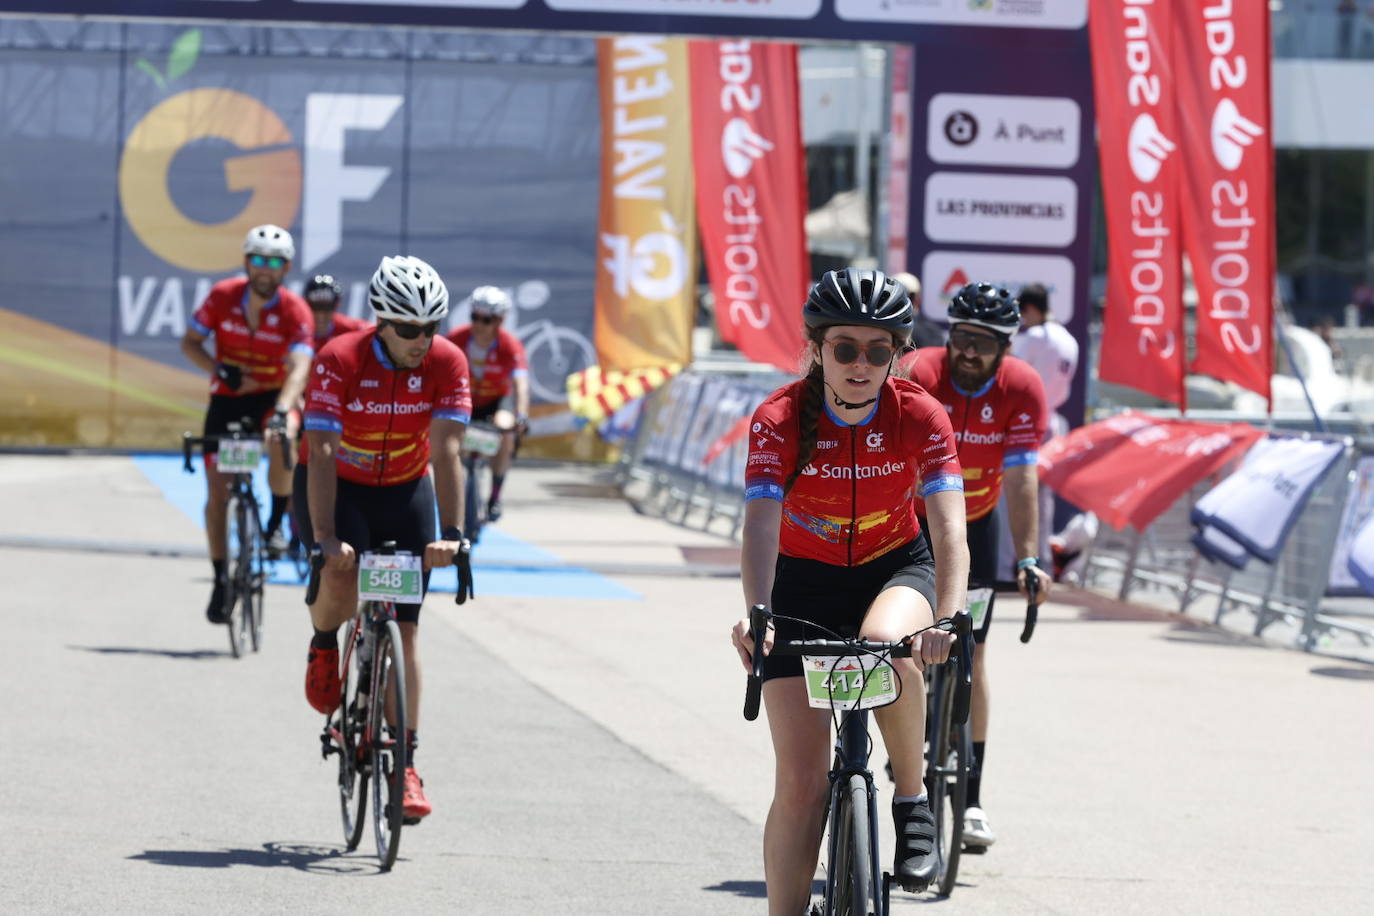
[(646, 264)]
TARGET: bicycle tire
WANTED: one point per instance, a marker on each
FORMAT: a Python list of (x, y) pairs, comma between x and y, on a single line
[(851, 871), (951, 752), (472, 514), (388, 742), (256, 574), (234, 514), (349, 719)]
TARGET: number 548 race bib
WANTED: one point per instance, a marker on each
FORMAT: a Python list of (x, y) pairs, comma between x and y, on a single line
[(389, 577)]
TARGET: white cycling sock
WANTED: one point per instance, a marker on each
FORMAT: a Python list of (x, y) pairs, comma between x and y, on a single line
[(903, 799)]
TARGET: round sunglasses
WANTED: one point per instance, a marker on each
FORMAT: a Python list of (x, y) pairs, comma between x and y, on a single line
[(846, 353)]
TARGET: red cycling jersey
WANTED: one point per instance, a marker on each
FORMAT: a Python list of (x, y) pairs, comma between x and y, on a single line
[(285, 324), (492, 375), (999, 426), (339, 325), (829, 515), (383, 413)]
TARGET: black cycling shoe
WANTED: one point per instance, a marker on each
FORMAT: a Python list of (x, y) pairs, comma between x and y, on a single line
[(494, 511), (916, 858), (217, 610)]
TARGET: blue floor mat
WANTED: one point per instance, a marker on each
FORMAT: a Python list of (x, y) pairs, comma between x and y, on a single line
[(500, 562)]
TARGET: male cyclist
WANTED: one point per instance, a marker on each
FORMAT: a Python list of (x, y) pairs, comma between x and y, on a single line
[(996, 404), (497, 358), (323, 294), (378, 400), (261, 358)]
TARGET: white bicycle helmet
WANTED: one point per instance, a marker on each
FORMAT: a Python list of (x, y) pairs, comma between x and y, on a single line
[(407, 289), (269, 241), (490, 300)]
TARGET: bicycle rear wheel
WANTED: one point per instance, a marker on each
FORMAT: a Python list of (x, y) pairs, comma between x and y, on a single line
[(388, 741), (348, 726), (951, 753), (851, 866), (240, 550)]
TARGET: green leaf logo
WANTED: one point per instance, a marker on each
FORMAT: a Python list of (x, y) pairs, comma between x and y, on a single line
[(185, 51)]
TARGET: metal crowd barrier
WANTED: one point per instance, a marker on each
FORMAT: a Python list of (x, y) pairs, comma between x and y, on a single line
[(664, 471), (1289, 602)]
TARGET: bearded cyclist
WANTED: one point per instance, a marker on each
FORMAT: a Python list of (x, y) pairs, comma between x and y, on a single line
[(323, 294), (996, 403), (261, 357), (821, 546), (379, 400), (497, 358)]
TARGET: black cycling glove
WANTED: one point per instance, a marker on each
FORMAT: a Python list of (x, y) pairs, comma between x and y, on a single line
[(230, 375)]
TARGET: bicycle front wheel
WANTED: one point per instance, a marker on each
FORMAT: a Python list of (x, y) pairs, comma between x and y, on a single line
[(348, 725), (240, 549), (474, 512), (951, 754), (851, 867), (253, 575), (387, 735)]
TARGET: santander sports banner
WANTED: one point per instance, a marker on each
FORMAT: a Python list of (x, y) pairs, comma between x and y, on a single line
[(1227, 189), (1138, 143), (751, 193), (645, 300)]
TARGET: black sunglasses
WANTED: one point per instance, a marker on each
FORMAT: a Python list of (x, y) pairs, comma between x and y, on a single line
[(272, 263), (847, 353), (485, 319), (412, 331), (982, 344)]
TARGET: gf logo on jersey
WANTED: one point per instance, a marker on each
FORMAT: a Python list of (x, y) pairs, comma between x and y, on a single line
[(874, 440), (414, 383), (986, 413), (1024, 417), (935, 437)]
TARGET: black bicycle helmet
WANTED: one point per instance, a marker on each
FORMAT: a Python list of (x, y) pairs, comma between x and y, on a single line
[(861, 297), (988, 307), (323, 290)]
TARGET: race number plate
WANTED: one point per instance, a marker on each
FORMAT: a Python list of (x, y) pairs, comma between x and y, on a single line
[(840, 683), (482, 441), (979, 600), (389, 577), (239, 456)]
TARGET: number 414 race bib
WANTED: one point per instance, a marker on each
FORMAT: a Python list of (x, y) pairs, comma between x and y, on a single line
[(841, 683)]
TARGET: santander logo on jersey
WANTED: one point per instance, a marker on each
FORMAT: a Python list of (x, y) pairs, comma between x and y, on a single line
[(861, 472)]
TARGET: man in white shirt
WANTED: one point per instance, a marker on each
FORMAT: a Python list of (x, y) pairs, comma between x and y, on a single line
[(1046, 344), (1053, 352)]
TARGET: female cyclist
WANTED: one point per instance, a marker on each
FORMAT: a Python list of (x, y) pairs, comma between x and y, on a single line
[(830, 535)]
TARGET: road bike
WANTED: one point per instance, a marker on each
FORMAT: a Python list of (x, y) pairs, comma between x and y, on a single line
[(481, 443), (240, 453), (856, 678), (368, 731)]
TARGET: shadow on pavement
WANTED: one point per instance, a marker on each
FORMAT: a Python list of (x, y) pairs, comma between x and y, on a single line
[(755, 889), (323, 860), (1349, 674), (1189, 634), (191, 654)]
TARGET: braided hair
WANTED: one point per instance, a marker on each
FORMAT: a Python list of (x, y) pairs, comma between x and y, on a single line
[(809, 413)]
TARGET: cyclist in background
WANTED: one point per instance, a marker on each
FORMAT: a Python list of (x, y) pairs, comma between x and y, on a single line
[(996, 404), (323, 294), (497, 358), (821, 546), (378, 400), (262, 350)]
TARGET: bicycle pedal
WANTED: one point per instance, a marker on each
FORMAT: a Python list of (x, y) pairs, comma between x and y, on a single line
[(410, 821), (975, 850)]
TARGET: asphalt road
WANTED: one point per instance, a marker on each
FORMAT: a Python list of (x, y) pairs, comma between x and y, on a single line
[(582, 743)]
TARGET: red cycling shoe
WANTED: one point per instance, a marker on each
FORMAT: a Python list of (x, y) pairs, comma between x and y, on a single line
[(322, 679)]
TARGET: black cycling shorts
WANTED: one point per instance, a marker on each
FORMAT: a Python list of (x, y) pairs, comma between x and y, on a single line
[(251, 410), (838, 597), (365, 516), (486, 412), (982, 537)]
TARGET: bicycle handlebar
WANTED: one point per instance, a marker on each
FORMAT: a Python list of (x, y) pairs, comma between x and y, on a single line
[(961, 625), (1032, 605)]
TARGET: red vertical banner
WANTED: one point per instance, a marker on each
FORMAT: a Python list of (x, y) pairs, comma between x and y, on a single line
[(1228, 186), (751, 193), (1138, 146), (895, 259)]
